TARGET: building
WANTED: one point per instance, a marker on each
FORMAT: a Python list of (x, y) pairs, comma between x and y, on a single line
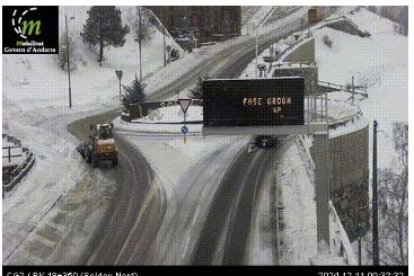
[(207, 23)]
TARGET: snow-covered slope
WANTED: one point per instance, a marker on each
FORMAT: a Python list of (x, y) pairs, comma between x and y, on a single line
[(36, 81), (379, 62), (35, 110)]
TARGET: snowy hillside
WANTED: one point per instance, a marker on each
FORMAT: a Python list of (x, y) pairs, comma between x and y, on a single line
[(379, 62), (35, 110), (38, 82)]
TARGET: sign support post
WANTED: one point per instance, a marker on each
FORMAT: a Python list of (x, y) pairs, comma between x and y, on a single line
[(185, 104)]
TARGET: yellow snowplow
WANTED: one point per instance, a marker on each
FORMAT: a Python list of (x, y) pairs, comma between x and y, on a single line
[(101, 147)]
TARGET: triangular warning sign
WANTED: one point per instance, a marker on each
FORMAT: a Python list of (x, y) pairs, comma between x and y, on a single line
[(185, 104)]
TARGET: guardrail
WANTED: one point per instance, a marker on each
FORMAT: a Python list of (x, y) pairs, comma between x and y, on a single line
[(9, 156), (306, 157), (12, 176)]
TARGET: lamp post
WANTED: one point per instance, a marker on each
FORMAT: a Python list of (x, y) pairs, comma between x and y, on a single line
[(140, 44), (160, 25), (255, 71), (258, 25), (68, 57)]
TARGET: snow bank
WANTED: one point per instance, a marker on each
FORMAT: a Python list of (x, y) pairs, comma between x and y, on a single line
[(298, 193)]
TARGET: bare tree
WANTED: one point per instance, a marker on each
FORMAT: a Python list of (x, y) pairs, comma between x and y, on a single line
[(393, 204), (393, 201), (197, 90)]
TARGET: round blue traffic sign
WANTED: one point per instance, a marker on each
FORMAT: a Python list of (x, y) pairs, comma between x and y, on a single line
[(184, 130)]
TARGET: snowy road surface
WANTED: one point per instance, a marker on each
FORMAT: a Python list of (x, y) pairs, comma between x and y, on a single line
[(136, 204), (224, 238), (126, 218), (140, 228)]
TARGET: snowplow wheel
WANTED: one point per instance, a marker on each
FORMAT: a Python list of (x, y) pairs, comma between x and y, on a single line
[(88, 157), (94, 160)]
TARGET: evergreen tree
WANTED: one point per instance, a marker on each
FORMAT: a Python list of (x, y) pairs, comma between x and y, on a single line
[(104, 27), (134, 94), (197, 91)]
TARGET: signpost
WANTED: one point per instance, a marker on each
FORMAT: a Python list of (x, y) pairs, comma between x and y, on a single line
[(119, 74), (184, 130), (185, 104)]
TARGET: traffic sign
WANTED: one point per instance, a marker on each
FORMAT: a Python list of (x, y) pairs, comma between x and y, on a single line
[(119, 74), (184, 129), (185, 104)]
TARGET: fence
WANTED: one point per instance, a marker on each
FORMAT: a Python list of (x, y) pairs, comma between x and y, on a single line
[(13, 174)]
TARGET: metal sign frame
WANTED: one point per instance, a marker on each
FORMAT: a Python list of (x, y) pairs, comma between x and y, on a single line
[(119, 74), (185, 104), (254, 102)]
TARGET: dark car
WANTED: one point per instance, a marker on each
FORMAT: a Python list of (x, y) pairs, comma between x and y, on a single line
[(266, 141)]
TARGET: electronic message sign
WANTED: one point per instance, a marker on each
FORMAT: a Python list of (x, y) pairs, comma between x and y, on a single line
[(253, 102)]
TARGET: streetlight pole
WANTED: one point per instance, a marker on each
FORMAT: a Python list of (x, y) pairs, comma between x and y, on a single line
[(375, 243), (164, 46), (256, 55), (140, 42), (164, 33), (68, 58)]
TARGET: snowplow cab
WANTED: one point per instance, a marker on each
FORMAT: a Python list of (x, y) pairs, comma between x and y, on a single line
[(104, 144)]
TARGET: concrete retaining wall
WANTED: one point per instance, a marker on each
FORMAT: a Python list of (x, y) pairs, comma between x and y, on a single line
[(350, 179), (347, 171)]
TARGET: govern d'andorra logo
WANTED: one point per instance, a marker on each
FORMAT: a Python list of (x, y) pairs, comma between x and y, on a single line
[(30, 30)]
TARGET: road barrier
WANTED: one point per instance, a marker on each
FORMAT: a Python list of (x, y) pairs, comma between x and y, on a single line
[(12, 175), (9, 156)]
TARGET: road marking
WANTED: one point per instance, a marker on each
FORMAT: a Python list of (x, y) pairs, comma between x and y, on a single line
[(145, 204)]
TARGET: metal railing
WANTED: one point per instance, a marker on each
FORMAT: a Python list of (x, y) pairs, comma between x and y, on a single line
[(12, 175), (9, 155), (359, 90)]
